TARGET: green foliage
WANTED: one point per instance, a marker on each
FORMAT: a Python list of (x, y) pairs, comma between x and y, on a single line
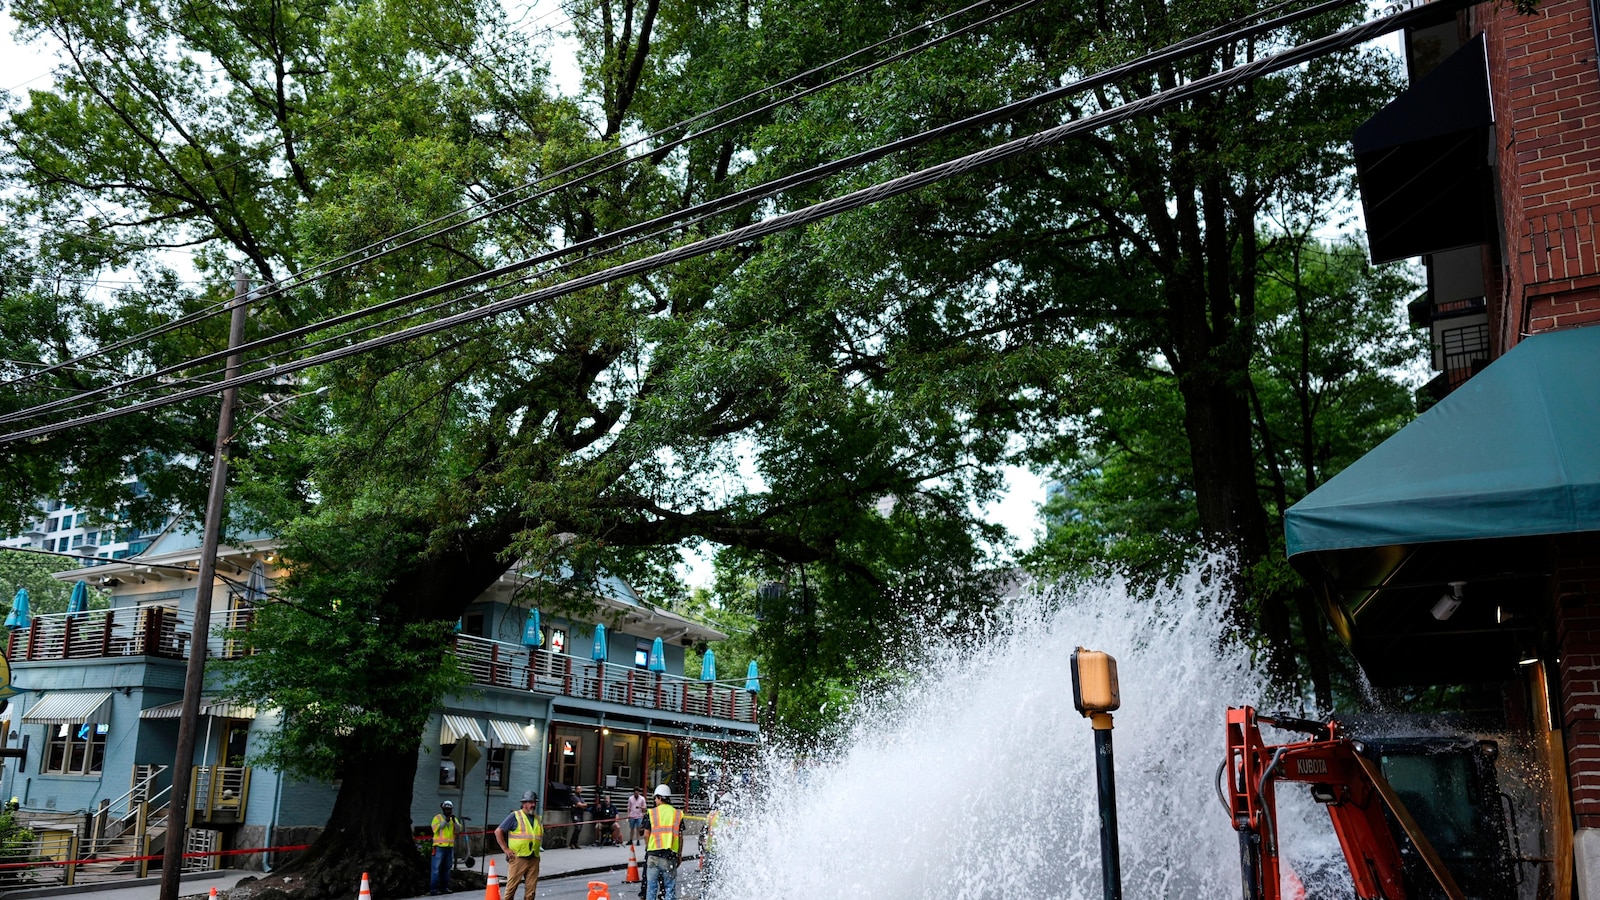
[(46, 594)]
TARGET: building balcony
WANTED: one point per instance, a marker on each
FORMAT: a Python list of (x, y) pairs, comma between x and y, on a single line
[(513, 666), (165, 632)]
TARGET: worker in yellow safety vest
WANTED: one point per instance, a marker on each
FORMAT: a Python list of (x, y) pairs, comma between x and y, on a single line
[(521, 838), (664, 846), (708, 838), (445, 825)]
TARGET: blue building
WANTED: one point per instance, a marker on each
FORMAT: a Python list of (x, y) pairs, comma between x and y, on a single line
[(100, 691)]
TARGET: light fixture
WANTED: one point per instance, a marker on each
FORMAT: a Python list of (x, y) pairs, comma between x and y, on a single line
[(1527, 660), (1502, 615), (1449, 603)]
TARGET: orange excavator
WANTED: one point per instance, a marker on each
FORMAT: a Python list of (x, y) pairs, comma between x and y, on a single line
[(1381, 840)]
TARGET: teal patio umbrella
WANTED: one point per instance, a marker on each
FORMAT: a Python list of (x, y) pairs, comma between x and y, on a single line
[(752, 679), (255, 587), (708, 666), (80, 598), (20, 616), (601, 647), (658, 656), (531, 636)]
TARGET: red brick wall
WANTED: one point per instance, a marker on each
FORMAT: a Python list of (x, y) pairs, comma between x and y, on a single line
[(1577, 589), (1545, 87)]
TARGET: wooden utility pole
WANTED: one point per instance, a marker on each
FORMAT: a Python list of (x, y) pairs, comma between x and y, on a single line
[(194, 675)]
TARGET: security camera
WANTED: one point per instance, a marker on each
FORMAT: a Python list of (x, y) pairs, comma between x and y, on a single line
[(1449, 603)]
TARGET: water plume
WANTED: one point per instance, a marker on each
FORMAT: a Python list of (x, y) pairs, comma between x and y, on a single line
[(975, 778)]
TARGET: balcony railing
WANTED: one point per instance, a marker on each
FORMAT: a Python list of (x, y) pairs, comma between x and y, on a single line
[(508, 665), (163, 631), (100, 633)]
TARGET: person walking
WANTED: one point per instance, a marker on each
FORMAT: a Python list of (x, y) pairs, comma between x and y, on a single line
[(521, 838), (445, 826), (664, 847), (636, 807)]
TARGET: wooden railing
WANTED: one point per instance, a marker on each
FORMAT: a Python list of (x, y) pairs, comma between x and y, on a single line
[(99, 633), (163, 631), (508, 665)]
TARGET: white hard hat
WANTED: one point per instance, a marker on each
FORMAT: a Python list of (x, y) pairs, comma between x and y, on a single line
[(663, 791), (447, 805)]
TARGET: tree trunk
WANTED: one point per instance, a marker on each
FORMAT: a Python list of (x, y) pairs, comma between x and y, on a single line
[(369, 831)]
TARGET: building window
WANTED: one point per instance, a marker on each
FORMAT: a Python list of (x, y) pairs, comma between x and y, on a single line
[(472, 624), (499, 767), (447, 766), (53, 506), (76, 749), (77, 540), (641, 655), (92, 537), (54, 524)]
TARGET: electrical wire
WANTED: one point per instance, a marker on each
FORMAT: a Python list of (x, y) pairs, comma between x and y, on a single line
[(1191, 46), (344, 263), (895, 187)]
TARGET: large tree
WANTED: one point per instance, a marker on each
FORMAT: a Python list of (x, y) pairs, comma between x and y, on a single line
[(601, 429)]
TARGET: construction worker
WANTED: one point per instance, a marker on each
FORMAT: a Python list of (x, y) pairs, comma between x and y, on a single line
[(521, 838), (664, 846), (445, 826), (708, 838)]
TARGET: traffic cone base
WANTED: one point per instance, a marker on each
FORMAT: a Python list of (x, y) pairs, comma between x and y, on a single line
[(633, 869), (491, 890)]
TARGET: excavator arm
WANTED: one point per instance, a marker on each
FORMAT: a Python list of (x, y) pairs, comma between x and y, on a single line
[(1349, 784)]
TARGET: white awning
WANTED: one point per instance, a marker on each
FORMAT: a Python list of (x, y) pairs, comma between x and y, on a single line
[(509, 734), (70, 708), (208, 707), (459, 728)]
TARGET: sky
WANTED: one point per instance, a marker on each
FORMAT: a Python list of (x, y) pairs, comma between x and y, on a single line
[(24, 67)]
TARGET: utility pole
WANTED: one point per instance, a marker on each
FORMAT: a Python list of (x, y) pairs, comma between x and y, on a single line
[(194, 674)]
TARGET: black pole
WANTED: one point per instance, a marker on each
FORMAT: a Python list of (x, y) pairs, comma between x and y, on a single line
[(1105, 769)]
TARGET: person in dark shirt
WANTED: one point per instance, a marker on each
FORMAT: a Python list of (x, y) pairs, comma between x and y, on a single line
[(580, 808), (605, 821)]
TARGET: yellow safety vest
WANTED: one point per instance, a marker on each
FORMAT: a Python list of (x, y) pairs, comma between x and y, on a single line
[(664, 822), (444, 831), (527, 837), (711, 828)]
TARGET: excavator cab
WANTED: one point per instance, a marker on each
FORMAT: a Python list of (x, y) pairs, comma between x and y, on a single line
[(1450, 788)]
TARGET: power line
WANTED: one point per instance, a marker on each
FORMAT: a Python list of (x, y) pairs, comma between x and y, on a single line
[(1194, 45), (854, 200), (347, 261)]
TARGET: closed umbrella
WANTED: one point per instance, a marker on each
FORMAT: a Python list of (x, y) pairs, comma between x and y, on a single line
[(601, 647), (80, 598), (752, 679), (531, 636), (708, 666), (20, 616), (658, 656), (255, 587)]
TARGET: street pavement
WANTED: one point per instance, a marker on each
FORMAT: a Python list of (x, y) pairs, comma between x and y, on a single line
[(564, 873)]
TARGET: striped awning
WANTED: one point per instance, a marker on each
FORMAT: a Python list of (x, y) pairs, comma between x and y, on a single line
[(460, 728), (222, 709), (70, 708), (509, 734)]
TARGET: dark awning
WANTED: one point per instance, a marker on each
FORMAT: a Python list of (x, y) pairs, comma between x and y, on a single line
[(1471, 491), (1424, 162)]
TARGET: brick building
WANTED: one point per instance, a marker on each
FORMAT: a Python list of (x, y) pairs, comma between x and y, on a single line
[(1465, 551)]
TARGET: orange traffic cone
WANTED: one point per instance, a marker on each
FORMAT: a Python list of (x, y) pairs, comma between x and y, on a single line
[(599, 890), (213, 894), (633, 869), (491, 891), (366, 889)]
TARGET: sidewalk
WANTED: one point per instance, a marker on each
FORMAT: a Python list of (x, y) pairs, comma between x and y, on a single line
[(554, 863)]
